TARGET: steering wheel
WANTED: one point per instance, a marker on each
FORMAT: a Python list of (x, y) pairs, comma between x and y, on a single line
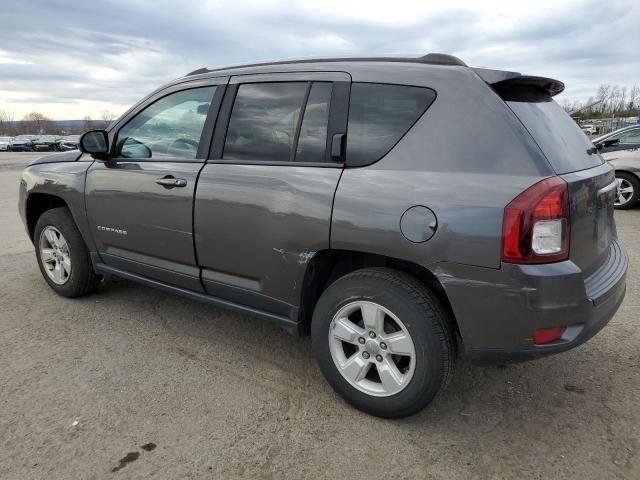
[(184, 142)]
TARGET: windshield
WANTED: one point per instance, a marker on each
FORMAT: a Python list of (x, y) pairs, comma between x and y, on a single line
[(560, 139)]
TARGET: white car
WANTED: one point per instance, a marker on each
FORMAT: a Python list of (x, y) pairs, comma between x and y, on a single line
[(4, 143), (589, 129)]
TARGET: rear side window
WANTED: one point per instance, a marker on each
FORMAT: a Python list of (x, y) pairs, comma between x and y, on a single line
[(379, 116), (560, 139), (279, 122), (313, 131)]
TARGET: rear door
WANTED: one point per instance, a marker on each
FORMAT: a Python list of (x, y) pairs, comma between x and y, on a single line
[(264, 199), (140, 202), (592, 185)]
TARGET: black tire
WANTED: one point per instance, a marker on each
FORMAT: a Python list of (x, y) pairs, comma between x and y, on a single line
[(635, 183), (82, 279), (424, 317)]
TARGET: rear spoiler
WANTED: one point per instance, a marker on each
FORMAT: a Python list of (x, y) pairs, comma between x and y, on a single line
[(503, 81)]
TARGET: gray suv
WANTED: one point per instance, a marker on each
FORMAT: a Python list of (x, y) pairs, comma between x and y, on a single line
[(401, 211)]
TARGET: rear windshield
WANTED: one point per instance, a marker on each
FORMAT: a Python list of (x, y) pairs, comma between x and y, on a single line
[(561, 140)]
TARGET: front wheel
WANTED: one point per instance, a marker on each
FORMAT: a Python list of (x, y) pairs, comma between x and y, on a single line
[(62, 255), (383, 341)]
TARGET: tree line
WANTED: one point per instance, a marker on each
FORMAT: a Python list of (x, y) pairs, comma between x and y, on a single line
[(36, 123), (609, 101)]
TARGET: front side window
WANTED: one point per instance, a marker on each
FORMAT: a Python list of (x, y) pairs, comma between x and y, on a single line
[(379, 115), (169, 128), (632, 136)]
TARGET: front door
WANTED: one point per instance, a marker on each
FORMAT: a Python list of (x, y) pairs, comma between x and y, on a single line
[(627, 140), (140, 202), (263, 207)]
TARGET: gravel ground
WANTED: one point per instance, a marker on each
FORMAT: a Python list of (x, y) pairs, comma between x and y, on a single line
[(132, 382)]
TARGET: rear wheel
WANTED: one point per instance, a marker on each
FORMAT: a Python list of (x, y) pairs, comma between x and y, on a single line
[(628, 192), (62, 255), (383, 341)]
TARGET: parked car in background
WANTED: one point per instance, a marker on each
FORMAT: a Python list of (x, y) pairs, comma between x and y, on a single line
[(621, 149), (22, 143), (318, 194), (627, 138), (44, 143), (70, 142), (627, 165), (588, 129), (4, 143)]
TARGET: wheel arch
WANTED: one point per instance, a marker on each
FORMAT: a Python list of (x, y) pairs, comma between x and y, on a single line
[(633, 173), (329, 265), (37, 204)]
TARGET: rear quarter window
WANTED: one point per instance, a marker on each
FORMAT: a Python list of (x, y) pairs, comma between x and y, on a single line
[(379, 116), (560, 139)]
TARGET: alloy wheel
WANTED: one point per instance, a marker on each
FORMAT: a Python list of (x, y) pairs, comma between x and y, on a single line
[(625, 192), (372, 348), (55, 255)]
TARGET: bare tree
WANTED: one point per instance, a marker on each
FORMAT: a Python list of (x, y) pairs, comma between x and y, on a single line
[(88, 123), (614, 98), (622, 104), (589, 105), (36, 122), (7, 126), (603, 96), (567, 105), (634, 98), (107, 117)]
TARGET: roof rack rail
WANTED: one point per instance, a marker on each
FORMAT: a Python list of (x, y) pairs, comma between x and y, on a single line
[(198, 71), (430, 59), (442, 59)]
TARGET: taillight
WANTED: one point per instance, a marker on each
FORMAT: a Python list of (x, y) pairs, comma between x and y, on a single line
[(535, 227)]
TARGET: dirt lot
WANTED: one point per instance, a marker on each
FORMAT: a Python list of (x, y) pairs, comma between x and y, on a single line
[(85, 384)]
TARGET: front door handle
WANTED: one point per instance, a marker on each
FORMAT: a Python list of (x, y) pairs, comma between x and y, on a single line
[(170, 182)]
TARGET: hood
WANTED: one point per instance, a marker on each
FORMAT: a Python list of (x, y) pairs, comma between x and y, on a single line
[(70, 156)]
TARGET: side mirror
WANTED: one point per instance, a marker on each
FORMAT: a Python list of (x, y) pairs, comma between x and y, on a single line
[(608, 143), (95, 143)]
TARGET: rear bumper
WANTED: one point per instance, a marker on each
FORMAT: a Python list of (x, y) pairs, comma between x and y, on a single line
[(497, 311)]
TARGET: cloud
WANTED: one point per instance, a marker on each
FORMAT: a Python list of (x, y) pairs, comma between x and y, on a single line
[(69, 59)]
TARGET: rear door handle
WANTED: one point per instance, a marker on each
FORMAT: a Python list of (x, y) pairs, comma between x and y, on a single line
[(170, 182)]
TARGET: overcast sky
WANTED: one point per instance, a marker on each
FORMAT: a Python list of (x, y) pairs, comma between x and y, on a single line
[(68, 59)]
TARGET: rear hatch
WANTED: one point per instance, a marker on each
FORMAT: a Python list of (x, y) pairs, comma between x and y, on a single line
[(591, 182)]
